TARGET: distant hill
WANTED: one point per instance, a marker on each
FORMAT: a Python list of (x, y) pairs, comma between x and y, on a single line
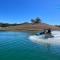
[(28, 27)]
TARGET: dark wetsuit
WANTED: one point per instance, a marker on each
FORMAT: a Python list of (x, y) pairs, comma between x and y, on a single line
[(48, 34), (49, 31)]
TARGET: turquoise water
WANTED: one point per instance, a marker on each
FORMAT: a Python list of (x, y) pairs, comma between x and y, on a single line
[(17, 46)]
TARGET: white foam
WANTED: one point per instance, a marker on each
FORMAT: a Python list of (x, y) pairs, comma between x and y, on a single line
[(55, 40)]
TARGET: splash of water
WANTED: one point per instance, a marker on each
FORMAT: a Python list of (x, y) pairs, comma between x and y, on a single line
[(55, 40)]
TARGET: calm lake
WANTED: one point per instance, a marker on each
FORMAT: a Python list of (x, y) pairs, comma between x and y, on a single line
[(17, 46)]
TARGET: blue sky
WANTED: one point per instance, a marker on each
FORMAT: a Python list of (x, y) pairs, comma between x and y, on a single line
[(18, 11)]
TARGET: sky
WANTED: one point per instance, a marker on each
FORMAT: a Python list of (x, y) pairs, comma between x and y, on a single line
[(19, 11)]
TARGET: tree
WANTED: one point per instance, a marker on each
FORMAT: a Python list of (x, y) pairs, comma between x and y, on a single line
[(37, 20)]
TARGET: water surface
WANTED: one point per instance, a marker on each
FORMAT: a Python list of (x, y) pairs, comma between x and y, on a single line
[(17, 46)]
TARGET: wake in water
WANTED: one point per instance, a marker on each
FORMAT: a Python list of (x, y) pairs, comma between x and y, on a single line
[(55, 40)]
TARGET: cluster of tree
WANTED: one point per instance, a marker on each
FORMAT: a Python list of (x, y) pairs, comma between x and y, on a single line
[(35, 21), (57, 25), (6, 24)]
